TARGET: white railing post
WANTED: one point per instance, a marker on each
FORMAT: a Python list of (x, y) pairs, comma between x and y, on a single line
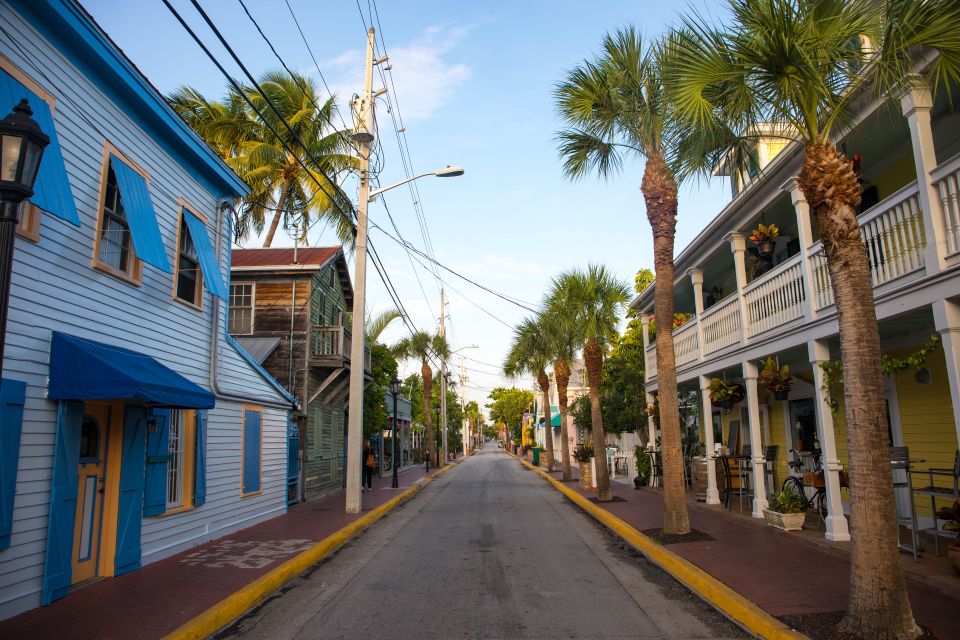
[(916, 103), (739, 247), (805, 235), (757, 463), (651, 371), (946, 318), (713, 495), (696, 279)]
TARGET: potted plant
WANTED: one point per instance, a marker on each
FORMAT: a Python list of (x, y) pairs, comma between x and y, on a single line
[(721, 393), (951, 516), (776, 379), (787, 510), (642, 457), (765, 236), (582, 453)]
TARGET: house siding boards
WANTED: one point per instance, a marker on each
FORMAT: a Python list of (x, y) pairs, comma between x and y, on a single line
[(55, 287)]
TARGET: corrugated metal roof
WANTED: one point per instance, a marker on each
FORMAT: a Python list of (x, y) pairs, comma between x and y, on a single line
[(258, 348), (282, 257)]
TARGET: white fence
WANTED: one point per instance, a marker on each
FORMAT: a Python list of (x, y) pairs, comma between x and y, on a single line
[(775, 298), (721, 325), (946, 177)]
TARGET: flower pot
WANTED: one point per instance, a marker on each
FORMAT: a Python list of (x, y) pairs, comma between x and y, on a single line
[(586, 477), (954, 552), (784, 521), (781, 394), (727, 404), (766, 248)]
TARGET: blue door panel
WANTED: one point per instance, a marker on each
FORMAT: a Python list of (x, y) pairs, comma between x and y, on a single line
[(158, 454), (130, 507), (251, 451), (12, 395)]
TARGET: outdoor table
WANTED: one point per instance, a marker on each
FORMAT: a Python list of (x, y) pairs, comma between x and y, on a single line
[(613, 469)]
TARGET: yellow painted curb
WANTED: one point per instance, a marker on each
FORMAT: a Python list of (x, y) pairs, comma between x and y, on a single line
[(234, 605), (732, 604)]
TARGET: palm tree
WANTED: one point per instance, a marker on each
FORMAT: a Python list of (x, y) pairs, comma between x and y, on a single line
[(279, 183), (424, 346), (616, 109), (560, 331), (530, 353), (799, 66), (376, 325), (594, 299)]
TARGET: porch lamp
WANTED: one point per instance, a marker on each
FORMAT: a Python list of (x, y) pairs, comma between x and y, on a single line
[(395, 390), (21, 148)]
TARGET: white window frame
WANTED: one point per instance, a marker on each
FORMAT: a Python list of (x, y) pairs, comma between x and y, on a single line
[(253, 307), (175, 465)]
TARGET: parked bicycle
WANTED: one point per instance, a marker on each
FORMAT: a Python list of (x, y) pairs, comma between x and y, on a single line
[(802, 478)]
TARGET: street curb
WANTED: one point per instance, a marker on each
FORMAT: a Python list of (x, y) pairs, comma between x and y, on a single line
[(729, 602), (234, 605)]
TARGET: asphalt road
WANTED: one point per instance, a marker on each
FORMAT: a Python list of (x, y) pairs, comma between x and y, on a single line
[(487, 550)]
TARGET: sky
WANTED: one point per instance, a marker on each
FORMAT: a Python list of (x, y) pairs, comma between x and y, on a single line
[(474, 87)]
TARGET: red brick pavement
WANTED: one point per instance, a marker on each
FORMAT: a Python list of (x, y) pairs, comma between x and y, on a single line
[(157, 599), (781, 574)]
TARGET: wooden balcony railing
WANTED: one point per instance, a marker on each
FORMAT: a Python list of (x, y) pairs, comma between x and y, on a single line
[(331, 344)]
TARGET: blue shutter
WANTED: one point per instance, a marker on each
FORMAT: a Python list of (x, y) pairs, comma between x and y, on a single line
[(141, 218), (251, 451), (12, 395), (200, 461), (52, 189), (57, 565), (130, 507), (158, 454), (208, 259)]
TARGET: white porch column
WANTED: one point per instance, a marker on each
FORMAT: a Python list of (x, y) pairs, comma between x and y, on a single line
[(757, 464), (805, 235), (916, 103), (696, 279), (713, 496), (837, 528), (739, 247), (946, 317)]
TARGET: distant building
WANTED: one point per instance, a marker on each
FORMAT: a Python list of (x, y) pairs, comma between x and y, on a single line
[(133, 426), (288, 307)]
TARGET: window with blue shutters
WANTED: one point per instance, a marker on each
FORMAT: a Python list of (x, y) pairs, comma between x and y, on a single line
[(12, 395), (250, 462)]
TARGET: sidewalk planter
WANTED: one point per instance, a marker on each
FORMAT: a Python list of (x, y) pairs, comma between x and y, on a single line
[(586, 475), (785, 521)]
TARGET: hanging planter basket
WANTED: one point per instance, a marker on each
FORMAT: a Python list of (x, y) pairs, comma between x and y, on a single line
[(766, 248), (781, 394)]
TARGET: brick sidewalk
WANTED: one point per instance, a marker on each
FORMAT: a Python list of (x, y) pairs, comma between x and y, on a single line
[(781, 574), (157, 599)]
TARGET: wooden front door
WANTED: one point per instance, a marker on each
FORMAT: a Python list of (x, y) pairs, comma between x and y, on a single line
[(94, 431)]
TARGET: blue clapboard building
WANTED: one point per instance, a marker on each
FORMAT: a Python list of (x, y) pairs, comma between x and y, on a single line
[(131, 425)]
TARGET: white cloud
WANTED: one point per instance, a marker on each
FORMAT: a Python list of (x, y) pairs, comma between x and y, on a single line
[(423, 76)]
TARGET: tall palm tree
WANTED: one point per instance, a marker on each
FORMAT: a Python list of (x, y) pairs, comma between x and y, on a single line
[(279, 183), (560, 331), (424, 346), (616, 109), (530, 353), (595, 299), (798, 65)]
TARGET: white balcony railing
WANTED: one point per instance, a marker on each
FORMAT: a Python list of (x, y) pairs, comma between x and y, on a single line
[(946, 177), (721, 325), (894, 236), (651, 360), (686, 346), (775, 298)]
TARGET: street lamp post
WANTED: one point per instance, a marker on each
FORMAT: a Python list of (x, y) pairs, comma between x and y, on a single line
[(21, 149), (395, 462)]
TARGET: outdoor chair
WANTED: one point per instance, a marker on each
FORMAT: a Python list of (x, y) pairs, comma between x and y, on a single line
[(733, 473), (900, 462), (770, 464), (933, 491)]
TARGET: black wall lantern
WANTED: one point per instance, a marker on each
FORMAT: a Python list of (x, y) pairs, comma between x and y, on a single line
[(21, 149)]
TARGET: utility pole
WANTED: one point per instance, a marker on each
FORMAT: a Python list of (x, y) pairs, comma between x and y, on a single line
[(363, 121), (465, 431), (443, 377)]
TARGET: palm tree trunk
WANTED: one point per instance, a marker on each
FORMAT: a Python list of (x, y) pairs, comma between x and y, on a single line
[(544, 383), (427, 374), (562, 372), (281, 203), (660, 195), (879, 606), (593, 359)]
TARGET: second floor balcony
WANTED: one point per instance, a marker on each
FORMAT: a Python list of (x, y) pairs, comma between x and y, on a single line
[(330, 347)]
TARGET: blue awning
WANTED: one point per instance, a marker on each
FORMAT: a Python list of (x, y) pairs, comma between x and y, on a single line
[(51, 192), (147, 241), (208, 259), (86, 370)]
